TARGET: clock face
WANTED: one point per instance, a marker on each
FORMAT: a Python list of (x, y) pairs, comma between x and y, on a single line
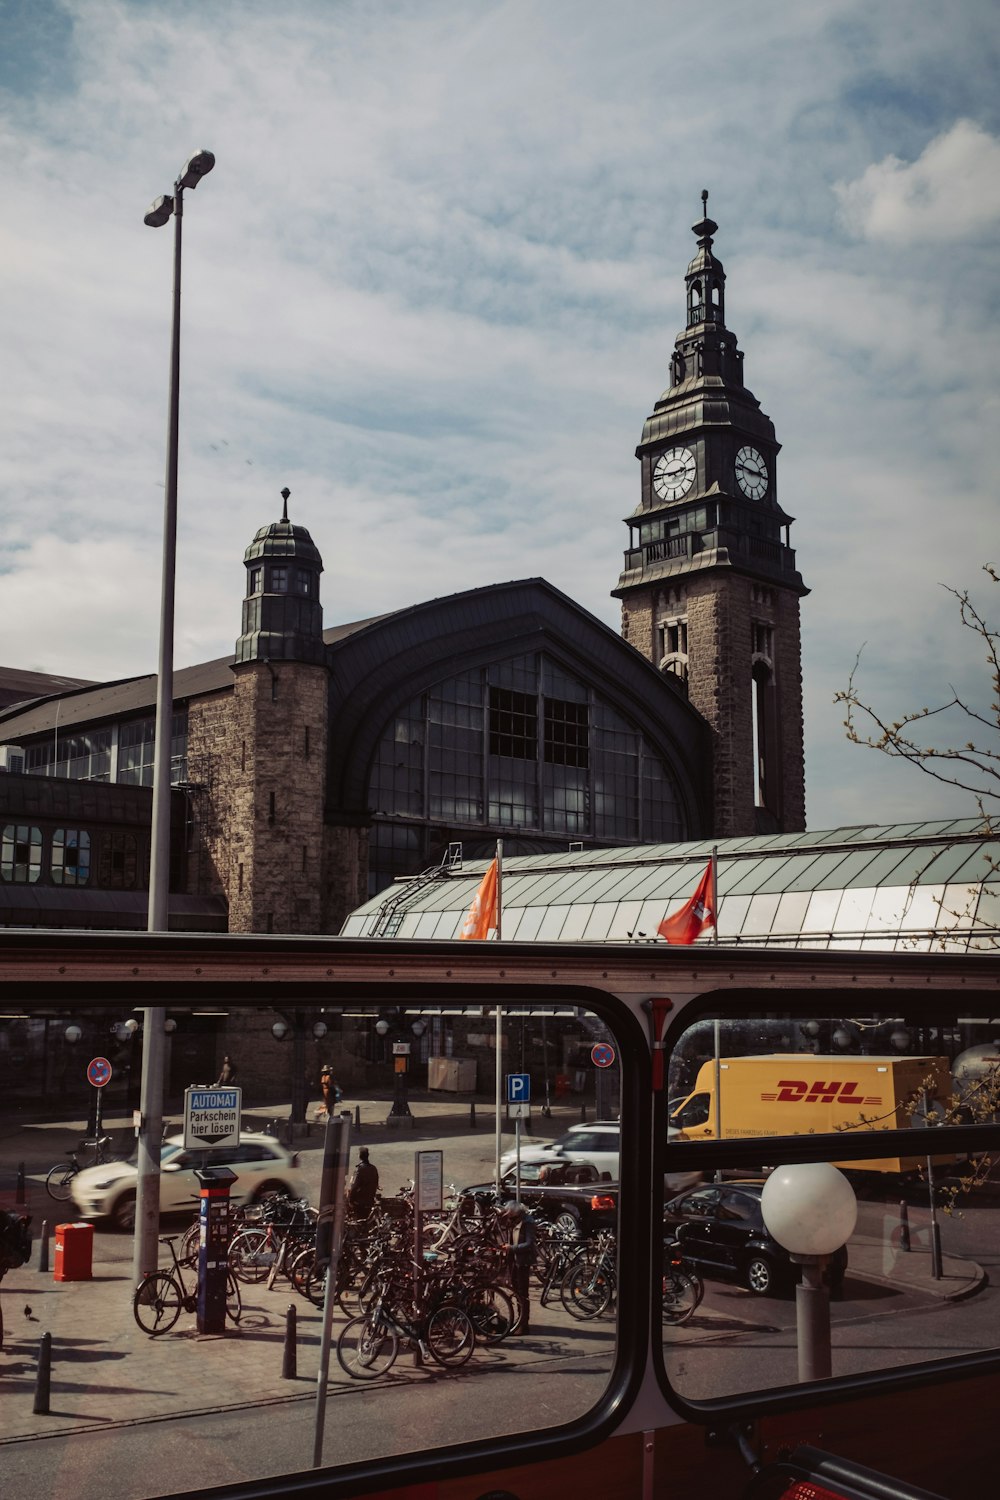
[(751, 473), (673, 473)]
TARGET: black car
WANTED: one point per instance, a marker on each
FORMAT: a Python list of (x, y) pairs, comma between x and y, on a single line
[(720, 1229), (576, 1196)]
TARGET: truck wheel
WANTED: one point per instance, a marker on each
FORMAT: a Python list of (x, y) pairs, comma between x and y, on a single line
[(759, 1275)]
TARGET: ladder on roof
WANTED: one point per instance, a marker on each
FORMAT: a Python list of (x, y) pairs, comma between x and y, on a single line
[(389, 917)]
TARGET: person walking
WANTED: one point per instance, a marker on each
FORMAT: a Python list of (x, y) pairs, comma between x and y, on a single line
[(364, 1186), (522, 1243), (330, 1090)]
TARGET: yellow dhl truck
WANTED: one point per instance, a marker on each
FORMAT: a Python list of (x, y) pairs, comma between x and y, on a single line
[(789, 1093)]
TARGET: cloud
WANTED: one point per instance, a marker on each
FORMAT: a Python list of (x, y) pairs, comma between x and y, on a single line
[(951, 192)]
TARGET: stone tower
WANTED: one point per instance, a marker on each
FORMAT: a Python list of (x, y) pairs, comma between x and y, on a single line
[(709, 589), (277, 738)]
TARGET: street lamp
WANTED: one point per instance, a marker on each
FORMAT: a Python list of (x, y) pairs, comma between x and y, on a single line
[(147, 1205), (811, 1210), (401, 1065)]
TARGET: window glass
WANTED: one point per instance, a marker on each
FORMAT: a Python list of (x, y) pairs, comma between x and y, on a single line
[(911, 1234), (152, 1385), (20, 853), (70, 856)]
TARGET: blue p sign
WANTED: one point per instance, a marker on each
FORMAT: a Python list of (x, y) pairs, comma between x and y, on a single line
[(518, 1088)]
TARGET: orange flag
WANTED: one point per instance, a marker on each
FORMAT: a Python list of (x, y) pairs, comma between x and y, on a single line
[(482, 914), (694, 916)]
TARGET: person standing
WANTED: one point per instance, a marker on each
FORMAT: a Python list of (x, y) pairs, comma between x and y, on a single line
[(364, 1186), (227, 1073), (522, 1243)]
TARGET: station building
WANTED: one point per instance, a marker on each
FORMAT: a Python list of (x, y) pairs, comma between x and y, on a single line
[(313, 766)]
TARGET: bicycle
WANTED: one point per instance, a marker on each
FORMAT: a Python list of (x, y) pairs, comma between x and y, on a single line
[(368, 1345), (162, 1296), (59, 1181), (683, 1288)]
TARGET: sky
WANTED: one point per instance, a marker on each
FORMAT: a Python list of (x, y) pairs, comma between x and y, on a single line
[(432, 287)]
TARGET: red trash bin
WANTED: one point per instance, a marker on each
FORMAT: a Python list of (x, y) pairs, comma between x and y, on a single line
[(74, 1252)]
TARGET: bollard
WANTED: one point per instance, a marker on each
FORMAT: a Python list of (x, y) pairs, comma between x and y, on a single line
[(289, 1367), (904, 1225), (43, 1381), (357, 1117), (19, 1194), (43, 1247), (472, 1115)]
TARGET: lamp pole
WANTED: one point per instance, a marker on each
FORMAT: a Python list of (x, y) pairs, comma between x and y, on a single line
[(147, 1203), (811, 1210)]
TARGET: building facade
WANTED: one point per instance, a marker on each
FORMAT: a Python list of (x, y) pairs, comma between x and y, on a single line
[(312, 767)]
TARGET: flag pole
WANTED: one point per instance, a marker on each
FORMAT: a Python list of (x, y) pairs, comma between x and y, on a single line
[(715, 891), (499, 1022)]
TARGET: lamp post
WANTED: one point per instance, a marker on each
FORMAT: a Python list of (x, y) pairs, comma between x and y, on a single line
[(297, 1022), (147, 1205), (401, 1065), (811, 1210)]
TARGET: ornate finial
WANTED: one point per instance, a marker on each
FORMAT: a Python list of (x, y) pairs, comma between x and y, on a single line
[(284, 495), (704, 200), (705, 226)]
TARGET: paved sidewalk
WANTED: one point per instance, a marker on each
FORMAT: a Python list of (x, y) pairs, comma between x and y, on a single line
[(106, 1371)]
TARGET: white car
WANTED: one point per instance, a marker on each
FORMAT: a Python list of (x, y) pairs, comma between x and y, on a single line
[(597, 1143), (260, 1163)]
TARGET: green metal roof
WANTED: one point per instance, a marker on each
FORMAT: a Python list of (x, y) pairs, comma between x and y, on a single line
[(913, 886)]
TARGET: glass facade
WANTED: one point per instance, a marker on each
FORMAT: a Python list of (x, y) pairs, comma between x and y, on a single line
[(76, 757), (90, 755), (518, 747)]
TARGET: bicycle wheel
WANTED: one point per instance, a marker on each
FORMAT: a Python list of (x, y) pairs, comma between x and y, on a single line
[(451, 1337), (234, 1302), (157, 1303), (367, 1348), (492, 1313), (250, 1255), (59, 1182), (190, 1245), (587, 1291), (680, 1297)]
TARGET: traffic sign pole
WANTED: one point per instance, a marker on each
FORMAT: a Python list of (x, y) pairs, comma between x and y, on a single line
[(99, 1072)]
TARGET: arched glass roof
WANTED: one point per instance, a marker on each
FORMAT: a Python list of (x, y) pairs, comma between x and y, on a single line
[(914, 886)]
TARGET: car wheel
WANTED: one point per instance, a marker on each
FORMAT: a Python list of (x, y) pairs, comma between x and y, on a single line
[(568, 1224), (123, 1213), (759, 1275), (266, 1189)]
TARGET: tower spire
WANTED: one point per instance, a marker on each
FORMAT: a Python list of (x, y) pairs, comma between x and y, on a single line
[(286, 492)]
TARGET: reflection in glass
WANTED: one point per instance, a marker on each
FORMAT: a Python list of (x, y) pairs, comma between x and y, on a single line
[(911, 1283), (569, 1182)]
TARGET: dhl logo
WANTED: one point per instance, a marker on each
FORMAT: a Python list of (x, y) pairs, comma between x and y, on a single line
[(798, 1091)]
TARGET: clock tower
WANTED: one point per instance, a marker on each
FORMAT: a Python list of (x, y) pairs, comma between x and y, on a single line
[(709, 590)]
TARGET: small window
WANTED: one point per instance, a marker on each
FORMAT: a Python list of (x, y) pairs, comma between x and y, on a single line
[(279, 580), (70, 856), (256, 579), (513, 724), (303, 582), (21, 854), (118, 868)]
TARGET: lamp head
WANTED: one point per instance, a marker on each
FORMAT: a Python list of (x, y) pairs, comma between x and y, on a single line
[(73, 1033), (199, 166), (382, 1027), (159, 212), (810, 1208)]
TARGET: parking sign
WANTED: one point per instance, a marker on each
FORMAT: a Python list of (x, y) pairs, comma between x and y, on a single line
[(518, 1088)]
